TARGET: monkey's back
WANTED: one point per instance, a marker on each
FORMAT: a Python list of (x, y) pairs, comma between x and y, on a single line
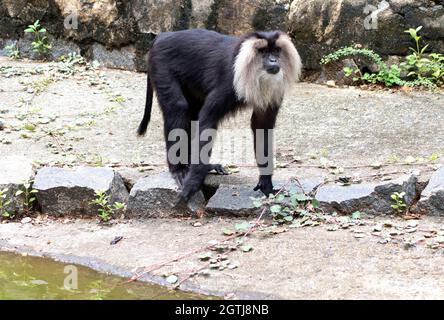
[(196, 57)]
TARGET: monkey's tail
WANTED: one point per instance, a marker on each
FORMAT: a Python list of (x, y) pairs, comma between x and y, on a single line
[(147, 114)]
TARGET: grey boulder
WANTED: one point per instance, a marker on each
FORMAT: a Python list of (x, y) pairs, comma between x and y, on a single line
[(14, 173), (157, 196), (238, 200), (372, 198), (70, 191), (234, 200), (432, 198)]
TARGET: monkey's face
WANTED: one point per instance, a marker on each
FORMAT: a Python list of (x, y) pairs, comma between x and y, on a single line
[(270, 59), (266, 64)]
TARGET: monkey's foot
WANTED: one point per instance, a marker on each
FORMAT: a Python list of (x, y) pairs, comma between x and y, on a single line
[(181, 204), (220, 170), (265, 185), (179, 175)]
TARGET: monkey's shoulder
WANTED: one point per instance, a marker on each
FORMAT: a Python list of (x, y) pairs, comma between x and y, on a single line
[(195, 36)]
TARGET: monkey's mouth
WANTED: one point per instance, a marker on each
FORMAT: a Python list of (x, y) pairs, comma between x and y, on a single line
[(273, 70)]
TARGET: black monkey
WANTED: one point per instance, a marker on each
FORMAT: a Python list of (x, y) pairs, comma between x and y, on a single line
[(204, 76)]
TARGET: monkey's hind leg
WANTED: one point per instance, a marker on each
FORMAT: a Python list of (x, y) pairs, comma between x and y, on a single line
[(177, 130)]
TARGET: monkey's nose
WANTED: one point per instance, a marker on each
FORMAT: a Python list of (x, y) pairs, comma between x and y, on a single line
[(273, 69)]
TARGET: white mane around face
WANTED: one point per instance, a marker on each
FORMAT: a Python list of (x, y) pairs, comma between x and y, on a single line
[(257, 87)]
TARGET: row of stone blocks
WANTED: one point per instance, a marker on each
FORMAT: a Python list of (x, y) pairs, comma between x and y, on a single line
[(63, 191)]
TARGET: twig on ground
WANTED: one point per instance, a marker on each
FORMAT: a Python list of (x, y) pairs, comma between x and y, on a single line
[(181, 257), (204, 248), (191, 274)]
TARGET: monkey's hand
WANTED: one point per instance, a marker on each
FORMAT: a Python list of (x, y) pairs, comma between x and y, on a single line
[(220, 170), (265, 185)]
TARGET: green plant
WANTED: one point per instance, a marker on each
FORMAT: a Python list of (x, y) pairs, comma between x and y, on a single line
[(12, 51), (4, 202), (119, 99), (287, 206), (28, 195), (41, 43), (72, 58), (106, 210), (421, 70), (67, 63), (387, 76), (351, 52), (427, 69), (399, 206)]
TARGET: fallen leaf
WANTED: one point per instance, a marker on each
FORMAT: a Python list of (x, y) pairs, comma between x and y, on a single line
[(206, 256), (232, 266), (116, 240)]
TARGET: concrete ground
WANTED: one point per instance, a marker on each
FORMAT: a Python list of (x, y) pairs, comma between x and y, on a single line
[(91, 117), (305, 263)]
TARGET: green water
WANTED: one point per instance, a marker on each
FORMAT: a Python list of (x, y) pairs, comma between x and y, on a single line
[(37, 278)]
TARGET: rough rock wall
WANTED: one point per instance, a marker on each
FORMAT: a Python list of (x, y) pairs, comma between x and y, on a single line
[(319, 27), (120, 33)]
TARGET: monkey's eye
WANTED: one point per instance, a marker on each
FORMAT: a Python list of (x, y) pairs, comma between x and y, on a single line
[(276, 50), (261, 50)]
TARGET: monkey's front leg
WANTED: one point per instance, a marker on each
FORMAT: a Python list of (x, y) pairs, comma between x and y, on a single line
[(262, 124)]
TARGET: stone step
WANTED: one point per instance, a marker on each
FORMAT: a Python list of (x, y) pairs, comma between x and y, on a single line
[(156, 196), (14, 172), (70, 191), (432, 198), (372, 198), (237, 200)]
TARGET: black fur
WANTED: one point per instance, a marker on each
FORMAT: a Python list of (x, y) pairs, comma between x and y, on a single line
[(192, 73)]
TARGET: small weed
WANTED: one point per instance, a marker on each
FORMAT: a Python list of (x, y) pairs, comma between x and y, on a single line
[(106, 210), (12, 51), (287, 207), (119, 99), (110, 109), (41, 85), (69, 62), (41, 43), (399, 206), (4, 203), (28, 195)]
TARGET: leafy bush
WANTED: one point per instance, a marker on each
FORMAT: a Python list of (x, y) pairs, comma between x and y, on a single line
[(423, 67), (420, 69)]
